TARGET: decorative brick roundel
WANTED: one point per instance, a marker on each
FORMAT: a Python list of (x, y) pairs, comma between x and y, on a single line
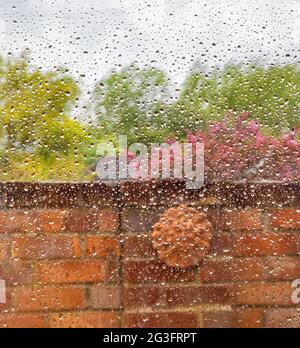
[(182, 237)]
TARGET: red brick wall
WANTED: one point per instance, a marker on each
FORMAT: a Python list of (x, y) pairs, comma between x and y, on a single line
[(81, 256)]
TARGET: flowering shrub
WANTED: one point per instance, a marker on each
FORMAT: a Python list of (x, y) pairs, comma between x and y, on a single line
[(238, 150), (235, 149)]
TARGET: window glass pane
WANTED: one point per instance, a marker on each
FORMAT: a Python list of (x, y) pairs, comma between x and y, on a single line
[(149, 164)]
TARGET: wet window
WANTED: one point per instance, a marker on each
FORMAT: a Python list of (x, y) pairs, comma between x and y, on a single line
[(149, 163)]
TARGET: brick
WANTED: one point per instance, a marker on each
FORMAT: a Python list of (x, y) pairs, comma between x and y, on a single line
[(81, 220), (46, 247), (158, 192), (221, 244), (237, 220), (265, 244), (16, 272), (46, 221), (142, 193), (84, 320), (24, 321), (222, 319), (3, 250), (56, 196), (114, 271), (285, 218), (102, 246), (106, 297), (49, 298), (71, 272), (140, 220), (153, 271), (109, 220), (99, 194), (264, 294), (282, 318), (141, 296), (249, 318), (11, 221), (241, 318), (231, 270), (138, 246), (283, 268), (194, 295), (42, 195), (161, 320)]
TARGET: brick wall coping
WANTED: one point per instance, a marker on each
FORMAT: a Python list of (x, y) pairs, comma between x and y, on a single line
[(14, 195)]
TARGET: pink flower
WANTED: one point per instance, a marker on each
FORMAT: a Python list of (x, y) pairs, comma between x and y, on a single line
[(253, 127), (239, 150), (195, 138), (289, 139), (259, 140)]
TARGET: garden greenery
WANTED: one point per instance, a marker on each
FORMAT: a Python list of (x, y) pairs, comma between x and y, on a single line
[(41, 140)]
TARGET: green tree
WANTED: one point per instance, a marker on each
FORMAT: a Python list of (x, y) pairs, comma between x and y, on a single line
[(271, 95), (137, 102), (34, 117), (132, 102)]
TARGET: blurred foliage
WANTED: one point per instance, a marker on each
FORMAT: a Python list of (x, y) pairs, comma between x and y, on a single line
[(39, 140), (132, 102), (37, 134), (138, 101), (271, 95)]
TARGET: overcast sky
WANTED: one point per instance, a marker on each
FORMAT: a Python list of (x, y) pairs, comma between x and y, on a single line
[(91, 37)]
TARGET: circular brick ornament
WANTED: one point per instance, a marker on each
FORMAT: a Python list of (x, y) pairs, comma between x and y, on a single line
[(182, 237)]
